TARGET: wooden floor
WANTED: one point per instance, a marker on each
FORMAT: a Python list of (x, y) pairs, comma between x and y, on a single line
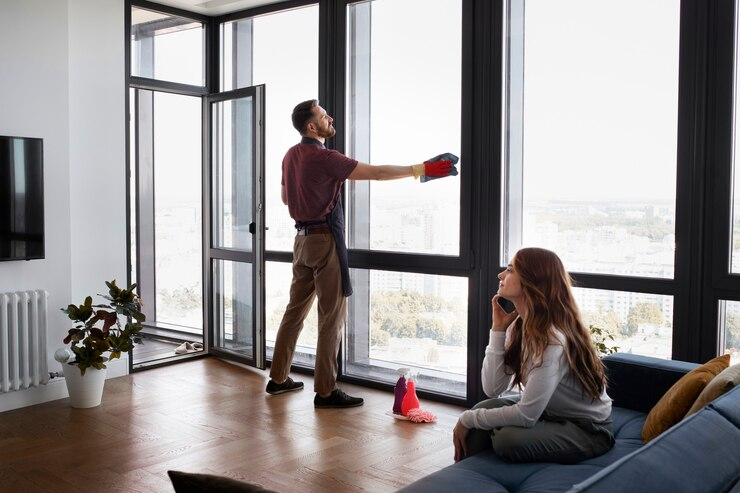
[(212, 417)]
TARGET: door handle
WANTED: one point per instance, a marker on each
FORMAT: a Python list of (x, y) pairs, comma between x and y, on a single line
[(253, 228)]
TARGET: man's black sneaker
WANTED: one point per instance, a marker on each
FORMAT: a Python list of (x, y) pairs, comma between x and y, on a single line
[(337, 399), (287, 386)]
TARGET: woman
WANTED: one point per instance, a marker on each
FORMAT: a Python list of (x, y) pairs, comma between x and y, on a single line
[(542, 348)]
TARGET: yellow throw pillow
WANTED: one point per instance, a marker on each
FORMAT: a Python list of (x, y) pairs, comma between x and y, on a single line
[(719, 385), (674, 405)]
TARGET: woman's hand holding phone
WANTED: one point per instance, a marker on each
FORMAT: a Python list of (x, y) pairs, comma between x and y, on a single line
[(504, 313)]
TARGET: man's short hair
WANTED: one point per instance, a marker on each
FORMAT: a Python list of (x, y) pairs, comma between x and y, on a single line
[(302, 114)]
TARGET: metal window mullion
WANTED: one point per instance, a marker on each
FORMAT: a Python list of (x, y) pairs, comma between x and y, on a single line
[(146, 203), (358, 192), (513, 165)]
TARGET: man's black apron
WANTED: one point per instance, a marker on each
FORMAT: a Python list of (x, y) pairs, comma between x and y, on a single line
[(336, 222), (335, 219)]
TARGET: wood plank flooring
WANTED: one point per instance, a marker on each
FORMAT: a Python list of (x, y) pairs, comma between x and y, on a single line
[(209, 416)]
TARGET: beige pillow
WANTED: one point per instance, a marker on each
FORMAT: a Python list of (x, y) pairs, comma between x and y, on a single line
[(719, 385), (674, 405)]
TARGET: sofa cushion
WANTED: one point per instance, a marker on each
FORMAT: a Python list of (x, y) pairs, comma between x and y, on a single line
[(488, 472), (674, 405), (701, 453), (719, 385), (728, 406)]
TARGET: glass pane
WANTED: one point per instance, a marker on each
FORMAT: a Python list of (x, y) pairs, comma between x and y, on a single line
[(257, 51), (591, 143), (404, 113), (178, 210), (167, 47), (639, 323), (730, 329), (403, 319), (233, 173), (277, 292), (233, 310), (133, 179), (735, 252)]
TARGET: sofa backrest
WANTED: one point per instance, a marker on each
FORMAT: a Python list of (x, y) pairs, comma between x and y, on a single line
[(638, 382), (700, 453)]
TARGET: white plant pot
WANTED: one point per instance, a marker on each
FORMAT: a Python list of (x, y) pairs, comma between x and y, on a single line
[(84, 390)]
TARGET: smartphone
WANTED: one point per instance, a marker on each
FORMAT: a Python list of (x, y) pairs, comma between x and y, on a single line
[(507, 305)]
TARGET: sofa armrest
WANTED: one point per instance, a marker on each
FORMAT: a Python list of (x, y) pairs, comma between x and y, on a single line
[(638, 382)]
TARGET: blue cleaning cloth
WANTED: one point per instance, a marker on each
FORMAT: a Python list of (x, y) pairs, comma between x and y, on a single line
[(446, 156)]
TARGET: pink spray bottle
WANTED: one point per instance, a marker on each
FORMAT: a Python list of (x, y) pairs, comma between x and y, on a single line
[(410, 400), (399, 390)]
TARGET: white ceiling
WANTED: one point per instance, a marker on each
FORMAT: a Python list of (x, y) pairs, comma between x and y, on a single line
[(215, 7)]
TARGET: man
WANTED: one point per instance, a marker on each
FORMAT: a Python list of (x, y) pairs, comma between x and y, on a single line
[(312, 180)]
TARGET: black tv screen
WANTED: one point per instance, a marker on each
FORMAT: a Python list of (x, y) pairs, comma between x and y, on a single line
[(21, 198)]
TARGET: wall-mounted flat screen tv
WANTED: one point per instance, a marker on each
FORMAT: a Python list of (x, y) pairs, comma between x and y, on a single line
[(21, 198)]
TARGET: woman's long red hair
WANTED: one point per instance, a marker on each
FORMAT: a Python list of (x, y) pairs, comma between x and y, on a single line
[(550, 303)]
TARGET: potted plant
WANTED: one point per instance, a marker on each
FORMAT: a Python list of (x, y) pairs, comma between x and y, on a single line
[(600, 339), (97, 337)]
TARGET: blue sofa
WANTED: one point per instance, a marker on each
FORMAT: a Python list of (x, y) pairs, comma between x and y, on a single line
[(699, 454)]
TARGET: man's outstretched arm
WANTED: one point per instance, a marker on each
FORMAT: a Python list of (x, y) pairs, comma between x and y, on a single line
[(365, 171)]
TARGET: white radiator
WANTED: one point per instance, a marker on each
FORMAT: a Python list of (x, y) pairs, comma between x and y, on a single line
[(23, 340)]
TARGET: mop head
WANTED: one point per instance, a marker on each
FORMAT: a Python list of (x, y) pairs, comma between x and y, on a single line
[(419, 415)]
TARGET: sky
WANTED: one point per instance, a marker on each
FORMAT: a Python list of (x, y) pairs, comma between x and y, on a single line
[(599, 116), (601, 95)]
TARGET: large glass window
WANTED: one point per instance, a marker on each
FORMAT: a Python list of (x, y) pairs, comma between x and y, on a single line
[(729, 311), (729, 317), (255, 51), (637, 322), (591, 133), (735, 247), (403, 319), (167, 47), (178, 210), (232, 163), (278, 276), (233, 308), (170, 210), (168, 51), (404, 113)]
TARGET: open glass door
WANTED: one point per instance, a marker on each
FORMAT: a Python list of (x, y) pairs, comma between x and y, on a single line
[(235, 254)]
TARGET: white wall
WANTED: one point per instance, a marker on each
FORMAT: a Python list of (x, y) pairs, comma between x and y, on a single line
[(62, 79)]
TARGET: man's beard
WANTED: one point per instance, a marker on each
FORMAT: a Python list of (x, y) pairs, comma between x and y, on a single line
[(326, 133)]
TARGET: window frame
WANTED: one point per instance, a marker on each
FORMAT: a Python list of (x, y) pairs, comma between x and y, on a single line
[(332, 93), (136, 169), (719, 61), (703, 181)]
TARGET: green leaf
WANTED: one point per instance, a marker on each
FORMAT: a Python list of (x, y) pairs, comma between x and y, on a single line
[(598, 336), (79, 313), (99, 332)]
